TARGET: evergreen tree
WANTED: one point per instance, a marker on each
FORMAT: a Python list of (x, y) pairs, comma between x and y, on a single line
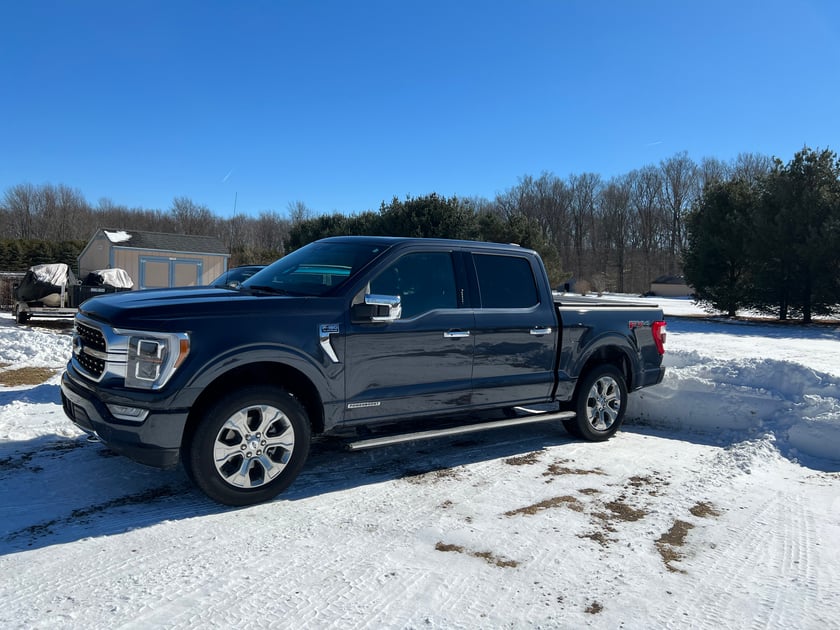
[(716, 260), (797, 245), (430, 216)]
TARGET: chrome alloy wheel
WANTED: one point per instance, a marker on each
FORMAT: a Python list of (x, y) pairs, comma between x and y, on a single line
[(603, 403), (253, 446)]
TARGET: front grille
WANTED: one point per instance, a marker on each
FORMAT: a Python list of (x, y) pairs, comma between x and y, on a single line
[(90, 341), (92, 337), (91, 364)]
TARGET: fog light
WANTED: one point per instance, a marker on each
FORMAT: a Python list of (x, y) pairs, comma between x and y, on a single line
[(131, 414)]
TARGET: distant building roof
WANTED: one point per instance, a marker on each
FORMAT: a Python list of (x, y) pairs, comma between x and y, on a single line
[(669, 280), (166, 242)]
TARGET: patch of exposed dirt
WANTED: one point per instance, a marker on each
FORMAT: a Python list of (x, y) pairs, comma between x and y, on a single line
[(568, 501), (599, 537), (524, 460), (649, 484), (594, 608), (625, 508), (24, 460), (26, 376), (670, 543), (704, 510), (430, 476), (619, 510), (487, 556), (560, 467), (46, 528)]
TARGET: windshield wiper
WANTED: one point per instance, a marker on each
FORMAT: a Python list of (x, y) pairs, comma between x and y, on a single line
[(269, 289)]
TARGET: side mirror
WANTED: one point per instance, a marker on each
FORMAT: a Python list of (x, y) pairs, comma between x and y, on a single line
[(378, 308)]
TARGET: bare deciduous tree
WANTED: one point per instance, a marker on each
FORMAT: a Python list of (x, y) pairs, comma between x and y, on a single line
[(191, 218), (679, 191)]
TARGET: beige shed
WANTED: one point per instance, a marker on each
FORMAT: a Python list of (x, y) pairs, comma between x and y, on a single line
[(671, 286), (155, 259)]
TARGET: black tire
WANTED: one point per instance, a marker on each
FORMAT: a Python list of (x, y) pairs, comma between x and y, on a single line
[(571, 427), (600, 403), (21, 317), (249, 446)]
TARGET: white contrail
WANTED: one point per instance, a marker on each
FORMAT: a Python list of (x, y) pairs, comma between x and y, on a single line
[(225, 178)]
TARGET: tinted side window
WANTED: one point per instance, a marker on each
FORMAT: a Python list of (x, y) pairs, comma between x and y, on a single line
[(505, 281), (424, 281)]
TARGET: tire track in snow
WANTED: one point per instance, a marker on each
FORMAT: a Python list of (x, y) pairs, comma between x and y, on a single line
[(736, 580)]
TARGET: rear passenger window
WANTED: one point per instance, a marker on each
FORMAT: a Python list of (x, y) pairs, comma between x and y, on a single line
[(505, 281)]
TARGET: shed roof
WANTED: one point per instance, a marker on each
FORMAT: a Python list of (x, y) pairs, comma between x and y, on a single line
[(669, 280), (167, 242)]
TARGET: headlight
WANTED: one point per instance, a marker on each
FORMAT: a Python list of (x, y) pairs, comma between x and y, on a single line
[(153, 358)]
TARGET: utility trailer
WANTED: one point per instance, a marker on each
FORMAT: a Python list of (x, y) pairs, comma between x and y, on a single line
[(51, 290)]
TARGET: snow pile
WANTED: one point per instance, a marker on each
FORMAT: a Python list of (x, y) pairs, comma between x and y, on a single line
[(45, 344), (796, 405)]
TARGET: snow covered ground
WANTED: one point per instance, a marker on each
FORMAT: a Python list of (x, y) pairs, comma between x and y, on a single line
[(717, 506)]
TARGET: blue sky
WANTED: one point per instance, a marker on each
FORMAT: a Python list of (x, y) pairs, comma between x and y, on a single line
[(343, 105)]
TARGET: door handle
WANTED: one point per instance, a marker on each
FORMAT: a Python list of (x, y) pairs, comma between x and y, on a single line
[(539, 332), (456, 334)]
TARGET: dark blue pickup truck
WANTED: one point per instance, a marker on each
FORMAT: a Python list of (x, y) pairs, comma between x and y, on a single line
[(350, 335)]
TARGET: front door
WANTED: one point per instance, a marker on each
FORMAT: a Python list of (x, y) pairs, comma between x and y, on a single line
[(421, 363)]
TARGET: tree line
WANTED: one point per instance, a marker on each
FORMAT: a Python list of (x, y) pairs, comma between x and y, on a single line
[(772, 243), (604, 234)]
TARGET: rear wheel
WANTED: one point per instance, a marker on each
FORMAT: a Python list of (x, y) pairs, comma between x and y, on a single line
[(249, 447), (600, 404)]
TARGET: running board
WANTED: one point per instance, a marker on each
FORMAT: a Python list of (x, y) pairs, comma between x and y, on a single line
[(459, 430)]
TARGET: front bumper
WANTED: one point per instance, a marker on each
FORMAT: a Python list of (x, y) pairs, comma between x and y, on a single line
[(155, 442)]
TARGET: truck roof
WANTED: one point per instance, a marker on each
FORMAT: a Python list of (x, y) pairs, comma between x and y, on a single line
[(402, 240)]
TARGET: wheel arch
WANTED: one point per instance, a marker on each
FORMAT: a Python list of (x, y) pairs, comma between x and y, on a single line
[(608, 355), (266, 373)]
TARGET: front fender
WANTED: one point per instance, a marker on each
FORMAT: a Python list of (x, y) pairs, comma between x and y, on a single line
[(327, 378)]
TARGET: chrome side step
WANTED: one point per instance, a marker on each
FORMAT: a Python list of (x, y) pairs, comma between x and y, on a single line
[(459, 430)]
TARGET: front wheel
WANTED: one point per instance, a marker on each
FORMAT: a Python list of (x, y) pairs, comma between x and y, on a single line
[(600, 404), (249, 447)]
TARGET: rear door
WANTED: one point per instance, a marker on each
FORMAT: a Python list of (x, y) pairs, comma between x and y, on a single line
[(515, 330), (422, 362)]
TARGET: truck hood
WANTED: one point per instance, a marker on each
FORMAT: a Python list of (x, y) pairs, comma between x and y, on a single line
[(172, 309)]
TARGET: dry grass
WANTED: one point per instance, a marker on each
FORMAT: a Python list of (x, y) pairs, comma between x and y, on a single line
[(26, 376)]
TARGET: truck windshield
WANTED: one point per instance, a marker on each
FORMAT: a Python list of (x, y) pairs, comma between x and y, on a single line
[(315, 269)]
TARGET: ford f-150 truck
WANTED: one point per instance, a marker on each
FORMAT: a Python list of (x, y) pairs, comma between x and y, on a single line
[(350, 335)]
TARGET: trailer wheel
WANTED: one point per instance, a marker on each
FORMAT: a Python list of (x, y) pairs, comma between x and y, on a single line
[(249, 447), (600, 404), (21, 317)]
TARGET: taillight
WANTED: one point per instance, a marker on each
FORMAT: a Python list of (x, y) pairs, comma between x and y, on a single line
[(659, 333)]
